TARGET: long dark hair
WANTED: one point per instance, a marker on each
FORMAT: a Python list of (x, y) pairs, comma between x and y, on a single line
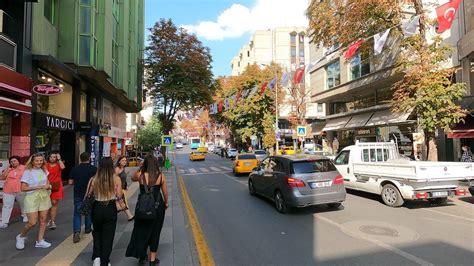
[(117, 164), (151, 166), (104, 179)]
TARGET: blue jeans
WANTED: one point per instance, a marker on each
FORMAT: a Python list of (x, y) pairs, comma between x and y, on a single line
[(77, 217)]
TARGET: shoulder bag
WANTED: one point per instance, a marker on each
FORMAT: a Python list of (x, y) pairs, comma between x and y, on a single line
[(88, 202)]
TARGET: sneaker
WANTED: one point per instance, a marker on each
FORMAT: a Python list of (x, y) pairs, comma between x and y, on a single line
[(76, 238), (25, 219), (20, 242), (42, 244), (52, 225), (2, 225), (96, 262)]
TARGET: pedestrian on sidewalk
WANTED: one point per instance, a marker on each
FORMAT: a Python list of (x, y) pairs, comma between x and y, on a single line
[(55, 166), (80, 177), (146, 233), (466, 154), (35, 184), (106, 188), (120, 171), (12, 190)]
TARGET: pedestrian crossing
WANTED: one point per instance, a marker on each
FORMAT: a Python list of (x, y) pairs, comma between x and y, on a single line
[(203, 170)]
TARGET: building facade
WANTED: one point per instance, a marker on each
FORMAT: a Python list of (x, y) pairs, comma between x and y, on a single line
[(89, 52)]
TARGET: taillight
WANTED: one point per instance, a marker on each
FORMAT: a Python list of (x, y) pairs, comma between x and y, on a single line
[(237, 163), (421, 195), (461, 192), (293, 182), (338, 180)]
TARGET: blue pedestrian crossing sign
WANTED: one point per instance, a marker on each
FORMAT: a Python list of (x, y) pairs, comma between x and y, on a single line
[(167, 140), (301, 131)]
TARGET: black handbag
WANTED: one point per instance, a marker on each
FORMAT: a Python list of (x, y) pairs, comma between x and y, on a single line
[(146, 204), (88, 202)]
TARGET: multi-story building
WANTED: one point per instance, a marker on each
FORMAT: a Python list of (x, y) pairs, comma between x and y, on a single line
[(357, 95), (89, 54), (15, 81), (288, 47)]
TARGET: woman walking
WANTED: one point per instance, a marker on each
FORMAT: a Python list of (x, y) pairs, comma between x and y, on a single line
[(106, 188), (120, 171), (37, 202), (12, 190), (55, 166), (146, 233)]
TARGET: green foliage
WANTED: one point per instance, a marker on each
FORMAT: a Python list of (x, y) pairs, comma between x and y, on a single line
[(149, 137)]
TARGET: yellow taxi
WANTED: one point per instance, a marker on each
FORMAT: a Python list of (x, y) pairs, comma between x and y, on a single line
[(133, 162), (202, 149), (287, 151), (196, 155), (245, 163)]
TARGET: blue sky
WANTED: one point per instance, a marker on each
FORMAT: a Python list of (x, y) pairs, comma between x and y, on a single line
[(225, 25)]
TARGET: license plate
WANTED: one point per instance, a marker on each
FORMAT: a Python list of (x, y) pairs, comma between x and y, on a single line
[(439, 194), (321, 184), (247, 164)]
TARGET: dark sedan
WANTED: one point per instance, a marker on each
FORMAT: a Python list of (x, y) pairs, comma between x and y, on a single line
[(298, 181)]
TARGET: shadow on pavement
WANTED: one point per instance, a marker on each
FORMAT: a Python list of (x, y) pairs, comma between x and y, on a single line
[(467, 199)]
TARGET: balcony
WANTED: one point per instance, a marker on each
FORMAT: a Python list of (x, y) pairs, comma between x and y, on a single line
[(7, 45)]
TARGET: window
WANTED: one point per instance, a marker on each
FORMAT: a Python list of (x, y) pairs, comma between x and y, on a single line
[(360, 66), (87, 31), (5, 127), (248, 53), (320, 107), (83, 108), (49, 10), (301, 53), (293, 39), (247, 157), (301, 38), (115, 43), (293, 51), (374, 155), (58, 105), (333, 74), (317, 166), (276, 166), (342, 158)]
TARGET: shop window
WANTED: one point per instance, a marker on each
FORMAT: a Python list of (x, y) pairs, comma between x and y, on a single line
[(320, 107), (47, 140), (49, 10), (83, 108), (360, 65), (58, 105), (5, 126), (333, 75)]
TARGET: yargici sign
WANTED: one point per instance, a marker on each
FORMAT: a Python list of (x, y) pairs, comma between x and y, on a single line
[(54, 122), (47, 89)]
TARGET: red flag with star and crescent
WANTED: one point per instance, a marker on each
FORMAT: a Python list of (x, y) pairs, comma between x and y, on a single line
[(352, 49), (446, 14), (263, 88)]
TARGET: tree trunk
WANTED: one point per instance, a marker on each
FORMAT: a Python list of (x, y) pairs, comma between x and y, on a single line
[(432, 147)]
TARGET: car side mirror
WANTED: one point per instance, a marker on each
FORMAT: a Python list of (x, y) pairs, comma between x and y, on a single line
[(255, 169)]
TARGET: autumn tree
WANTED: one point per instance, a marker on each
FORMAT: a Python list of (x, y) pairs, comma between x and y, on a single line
[(177, 71), (426, 88)]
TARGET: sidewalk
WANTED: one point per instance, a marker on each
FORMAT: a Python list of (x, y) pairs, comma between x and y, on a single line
[(176, 242)]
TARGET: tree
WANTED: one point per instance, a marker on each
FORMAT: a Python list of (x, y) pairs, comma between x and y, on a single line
[(426, 88), (149, 137), (177, 71)]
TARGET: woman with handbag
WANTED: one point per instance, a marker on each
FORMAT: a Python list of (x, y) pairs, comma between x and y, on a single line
[(147, 227), (35, 184), (106, 188), (12, 190), (120, 171), (55, 166)]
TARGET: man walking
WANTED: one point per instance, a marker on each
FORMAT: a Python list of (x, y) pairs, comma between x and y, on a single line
[(79, 177)]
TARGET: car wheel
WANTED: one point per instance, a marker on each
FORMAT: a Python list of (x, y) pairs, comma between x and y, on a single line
[(280, 203), (438, 201), (251, 188), (336, 205), (391, 196)]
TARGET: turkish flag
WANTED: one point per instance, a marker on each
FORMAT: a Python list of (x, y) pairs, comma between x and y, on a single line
[(446, 14), (263, 88), (219, 107), (298, 76), (239, 94), (352, 50)]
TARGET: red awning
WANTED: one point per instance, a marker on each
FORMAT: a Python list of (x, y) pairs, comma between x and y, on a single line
[(13, 105), (461, 134)]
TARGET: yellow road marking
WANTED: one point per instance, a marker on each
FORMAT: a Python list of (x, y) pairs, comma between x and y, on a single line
[(205, 256), (66, 252)]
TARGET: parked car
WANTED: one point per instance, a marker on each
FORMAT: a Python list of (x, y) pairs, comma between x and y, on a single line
[(197, 156), (232, 153), (317, 150), (260, 154), (244, 163), (298, 181), (179, 145), (217, 150), (471, 187), (287, 151)]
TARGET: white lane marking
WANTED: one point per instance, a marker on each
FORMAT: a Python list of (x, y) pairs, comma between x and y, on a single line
[(381, 244), (451, 215), (244, 183), (215, 169), (204, 170), (202, 173), (192, 170), (226, 168)]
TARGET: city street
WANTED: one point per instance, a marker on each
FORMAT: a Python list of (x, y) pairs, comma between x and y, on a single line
[(245, 230)]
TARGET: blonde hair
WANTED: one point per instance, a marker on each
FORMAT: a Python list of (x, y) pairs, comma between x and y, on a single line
[(29, 163), (103, 183)]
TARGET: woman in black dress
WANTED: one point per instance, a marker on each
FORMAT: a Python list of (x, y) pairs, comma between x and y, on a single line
[(146, 233)]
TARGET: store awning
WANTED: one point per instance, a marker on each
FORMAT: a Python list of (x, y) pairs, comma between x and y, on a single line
[(317, 128), (358, 120), (387, 117), (463, 130), (17, 106), (336, 123)]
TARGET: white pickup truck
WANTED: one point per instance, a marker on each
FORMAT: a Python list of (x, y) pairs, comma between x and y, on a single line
[(378, 168)]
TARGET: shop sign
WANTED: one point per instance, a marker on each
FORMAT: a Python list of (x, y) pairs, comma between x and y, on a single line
[(115, 132), (366, 131), (104, 129), (54, 122), (47, 89), (84, 126), (94, 150)]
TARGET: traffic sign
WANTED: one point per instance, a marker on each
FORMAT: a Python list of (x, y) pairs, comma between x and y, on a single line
[(301, 131), (167, 140)]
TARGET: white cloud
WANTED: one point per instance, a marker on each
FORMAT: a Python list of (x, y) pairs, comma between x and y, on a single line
[(238, 19)]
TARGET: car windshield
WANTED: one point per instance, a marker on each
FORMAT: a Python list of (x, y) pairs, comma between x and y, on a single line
[(260, 152), (247, 157), (232, 150), (313, 166)]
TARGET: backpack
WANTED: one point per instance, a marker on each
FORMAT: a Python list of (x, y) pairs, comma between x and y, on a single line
[(146, 204)]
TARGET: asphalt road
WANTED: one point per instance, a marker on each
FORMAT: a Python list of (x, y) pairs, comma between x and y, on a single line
[(245, 230)]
